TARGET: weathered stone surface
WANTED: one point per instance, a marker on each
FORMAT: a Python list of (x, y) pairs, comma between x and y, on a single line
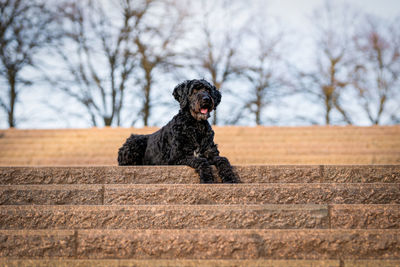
[(201, 244), (279, 173), (37, 244), (187, 175), (362, 173), (372, 263), (365, 216), (54, 175), (164, 217), (280, 212), (143, 174), (201, 194), (51, 194), (239, 244), (184, 175), (172, 263), (253, 194), (98, 175), (253, 145)]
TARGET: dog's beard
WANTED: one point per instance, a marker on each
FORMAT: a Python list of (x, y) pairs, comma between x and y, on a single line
[(201, 111), (201, 105), (203, 114)]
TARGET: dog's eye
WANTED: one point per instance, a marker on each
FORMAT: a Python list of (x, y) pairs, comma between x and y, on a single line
[(199, 90)]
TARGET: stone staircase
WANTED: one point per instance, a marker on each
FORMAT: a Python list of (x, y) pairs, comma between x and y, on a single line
[(279, 215), (242, 145)]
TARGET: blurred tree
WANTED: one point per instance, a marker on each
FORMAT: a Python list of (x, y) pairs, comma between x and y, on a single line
[(98, 55), (214, 55), (111, 45), (377, 68), (265, 67), (24, 32), (329, 75), (156, 41)]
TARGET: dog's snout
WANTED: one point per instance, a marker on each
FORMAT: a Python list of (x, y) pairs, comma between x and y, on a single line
[(206, 98)]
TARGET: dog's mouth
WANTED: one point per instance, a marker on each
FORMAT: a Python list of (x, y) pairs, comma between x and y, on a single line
[(204, 111), (205, 108), (201, 105)]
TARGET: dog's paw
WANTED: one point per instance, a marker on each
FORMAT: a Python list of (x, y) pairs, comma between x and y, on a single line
[(207, 181), (230, 180)]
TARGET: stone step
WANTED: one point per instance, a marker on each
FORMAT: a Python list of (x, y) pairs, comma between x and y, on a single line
[(35, 148), (201, 217), (235, 158), (371, 263), (253, 194), (227, 129), (165, 217), (386, 156), (51, 194), (295, 135), (243, 145), (234, 130), (212, 194), (353, 216), (187, 175), (256, 150), (199, 244), (53, 148), (283, 138), (176, 263), (100, 158), (200, 263)]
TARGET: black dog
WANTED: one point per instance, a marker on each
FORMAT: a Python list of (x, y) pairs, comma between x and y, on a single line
[(186, 140)]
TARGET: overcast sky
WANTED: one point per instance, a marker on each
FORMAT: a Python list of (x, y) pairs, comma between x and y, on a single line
[(295, 14)]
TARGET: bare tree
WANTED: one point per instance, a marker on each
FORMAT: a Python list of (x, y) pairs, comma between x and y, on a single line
[(98, 55), (265, 69), (377, 69), (117, 44), (156, 42), (214, 55), (329, 77), (24, 32)]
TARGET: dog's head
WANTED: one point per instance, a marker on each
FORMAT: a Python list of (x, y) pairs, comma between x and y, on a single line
[(199, 97)]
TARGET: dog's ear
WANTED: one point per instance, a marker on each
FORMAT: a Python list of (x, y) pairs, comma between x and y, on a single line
[(181, 94), (216, 95)]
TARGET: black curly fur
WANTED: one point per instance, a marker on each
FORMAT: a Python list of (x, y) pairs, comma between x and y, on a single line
[(187, 139)]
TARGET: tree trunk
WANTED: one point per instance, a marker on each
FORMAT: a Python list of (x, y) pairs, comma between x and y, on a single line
[(258, 119), (258, 105), (108, 121), (328, 109), (13, 100), (214, 120), (146, 105)]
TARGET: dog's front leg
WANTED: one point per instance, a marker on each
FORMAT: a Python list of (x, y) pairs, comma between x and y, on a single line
[(181, 155), (202, 167), (224, 169)]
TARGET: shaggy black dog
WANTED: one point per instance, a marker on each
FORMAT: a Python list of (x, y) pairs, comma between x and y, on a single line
[(187, 139)]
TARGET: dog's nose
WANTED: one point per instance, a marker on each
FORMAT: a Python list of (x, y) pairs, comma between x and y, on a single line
[(206, 98)]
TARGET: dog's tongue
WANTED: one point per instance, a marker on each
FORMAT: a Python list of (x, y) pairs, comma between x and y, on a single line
[(204, 110)]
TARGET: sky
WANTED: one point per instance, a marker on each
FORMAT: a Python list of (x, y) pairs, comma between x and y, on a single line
[(293, 13)]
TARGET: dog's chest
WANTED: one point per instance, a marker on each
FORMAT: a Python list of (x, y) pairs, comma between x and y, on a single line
[(198, 139)]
